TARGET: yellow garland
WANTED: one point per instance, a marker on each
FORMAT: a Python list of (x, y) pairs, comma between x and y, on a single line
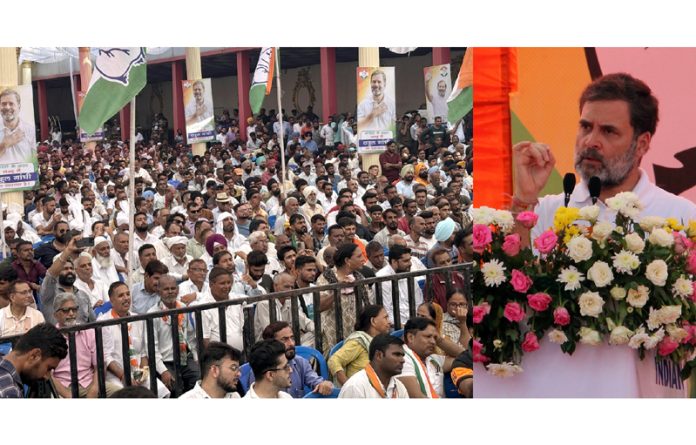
[(564, 217)]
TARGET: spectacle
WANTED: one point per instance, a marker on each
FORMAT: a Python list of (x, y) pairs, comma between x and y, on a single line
[(67, 310), (284, 368), (457, 304), (24, 292)]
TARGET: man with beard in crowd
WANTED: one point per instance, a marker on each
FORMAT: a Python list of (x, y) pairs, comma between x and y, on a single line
[(272, 371), (399, 262), (219, 373), (391, 227), (177, 261), (46, 252)]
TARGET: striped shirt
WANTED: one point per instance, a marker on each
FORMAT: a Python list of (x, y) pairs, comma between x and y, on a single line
[(10, 384)]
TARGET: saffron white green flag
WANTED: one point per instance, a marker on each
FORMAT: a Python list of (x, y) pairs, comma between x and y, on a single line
[(263, 79), (119, 75), (461, 101)]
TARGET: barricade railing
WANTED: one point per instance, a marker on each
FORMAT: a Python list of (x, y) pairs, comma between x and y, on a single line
[(248, 332)]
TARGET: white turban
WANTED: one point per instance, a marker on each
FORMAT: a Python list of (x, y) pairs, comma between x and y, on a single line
[(101, 239), (169, 242)]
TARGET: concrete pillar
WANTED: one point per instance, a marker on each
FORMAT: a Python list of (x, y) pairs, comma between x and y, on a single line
[(124, 117), (441, 56), (9, 75), (85, 78), (193, 72), (369, 57), (328, 82), (243, 85), (179, 121)]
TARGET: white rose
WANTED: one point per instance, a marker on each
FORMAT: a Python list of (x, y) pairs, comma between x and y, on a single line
[(617, 293), (654, 319), (626, 262), (504, 370), (504, 219), (483, 215), (670, 314), (590, 304), (634, 243), (601, 231), (620, 335), (589, 336), (661, 237), (638, 297), (657, 272), (654, 339), (683, 287), (580, 249), (650, 222), (638, 339), (557, 336), (589, 213), (677, 333), (600, 273)]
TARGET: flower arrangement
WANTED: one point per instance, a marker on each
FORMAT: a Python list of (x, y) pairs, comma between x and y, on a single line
[(629, 284)]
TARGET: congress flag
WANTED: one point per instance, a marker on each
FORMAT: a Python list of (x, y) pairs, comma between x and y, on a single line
[(119, 75), (461, 101), (263, 79)]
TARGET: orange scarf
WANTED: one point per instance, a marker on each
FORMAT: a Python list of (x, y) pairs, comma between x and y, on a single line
[(425, 378), (376, 383)]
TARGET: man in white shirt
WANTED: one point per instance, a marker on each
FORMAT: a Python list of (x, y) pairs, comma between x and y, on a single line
[(177, 261), (399, 262), (220, 282), (378, 379), (271, 371), (87, 283), (102, 261), (219, 373), (195, 288)]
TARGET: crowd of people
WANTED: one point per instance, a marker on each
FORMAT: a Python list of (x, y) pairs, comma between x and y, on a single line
[(228, 225)]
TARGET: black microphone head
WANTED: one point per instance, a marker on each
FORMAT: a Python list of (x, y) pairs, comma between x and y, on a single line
[(568, 183), (594, 186)]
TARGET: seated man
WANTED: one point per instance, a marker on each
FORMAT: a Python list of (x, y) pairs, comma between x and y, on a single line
[(65, 309), (19, 316), (302, 373), (220, 281), (35, 355), (463, 374), (145, 293), (282, 282), (219, 372), (378, 379), (271, 370), (424, 371)]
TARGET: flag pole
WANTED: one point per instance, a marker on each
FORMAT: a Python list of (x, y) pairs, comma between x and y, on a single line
[(280, 112), (131, 185), (2, 227)]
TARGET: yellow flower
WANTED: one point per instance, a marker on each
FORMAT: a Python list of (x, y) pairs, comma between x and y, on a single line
[(564, 217), (570, 233), (691, 230), (673, 224)]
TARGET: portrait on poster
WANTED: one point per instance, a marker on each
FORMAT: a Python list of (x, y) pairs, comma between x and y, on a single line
[(376, 108), (438, 87), (198, 110), (18, 158)]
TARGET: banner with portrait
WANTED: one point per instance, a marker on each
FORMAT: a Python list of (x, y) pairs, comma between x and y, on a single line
[(376, 113), (438, 87), (98, 135), (198, 110), (19, 166)]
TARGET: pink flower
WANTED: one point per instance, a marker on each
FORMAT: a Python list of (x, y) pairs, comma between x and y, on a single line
[(690, 333), (520, 282), (512, 244), (561, 316), (539, 301), (530, 343), (691, 262), (478, 357), (527, 219), (480, 311), (667, 346), (482, 237), (681, 243), (546, 241), (513, 312)]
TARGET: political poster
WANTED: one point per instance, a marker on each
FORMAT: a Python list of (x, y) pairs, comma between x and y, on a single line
[(198, 110), (19, 168), (376, 108), (438, 87)]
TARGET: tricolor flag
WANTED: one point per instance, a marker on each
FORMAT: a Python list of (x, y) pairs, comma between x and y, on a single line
[(461, 101), (263, 79), (119, 75)]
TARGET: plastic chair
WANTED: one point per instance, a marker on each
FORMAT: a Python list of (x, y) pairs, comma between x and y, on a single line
[(399, 333), (310, 353), (316, 395), (245, 378), (104, 308), (336, 348), (5, 348)]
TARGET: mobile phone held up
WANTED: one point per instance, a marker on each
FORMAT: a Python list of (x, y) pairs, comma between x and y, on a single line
[(85, 242)]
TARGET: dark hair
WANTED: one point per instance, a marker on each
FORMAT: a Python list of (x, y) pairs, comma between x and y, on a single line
[(426, 214), (47, 199), (215, 272), (381, 343), (256, 258), (375, 208), (47, 338), (215, 352), (389, 187), (218, 256), (296, 217), (334, 227), (390, 210), (453, 291), (417, 324), (397, 251), (643, 106), (156, 266), (346, 221), (22, 242), (395, 201), (270, 331), (138, 214), (264, 356), (283, 250), (254, 224), (343, 252), (365, 317), (301, 260), (133, 392), (114, 285), (316, 218), (143, 248)]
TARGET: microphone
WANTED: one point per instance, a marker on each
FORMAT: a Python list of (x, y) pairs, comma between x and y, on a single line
[(568, 186), (595, 186)]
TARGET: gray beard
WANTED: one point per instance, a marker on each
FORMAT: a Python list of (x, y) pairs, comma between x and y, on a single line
[(104, 262)]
